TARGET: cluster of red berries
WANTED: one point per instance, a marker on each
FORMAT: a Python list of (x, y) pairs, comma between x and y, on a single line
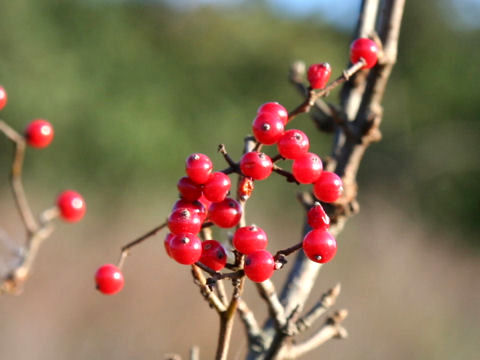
[(204, 194)]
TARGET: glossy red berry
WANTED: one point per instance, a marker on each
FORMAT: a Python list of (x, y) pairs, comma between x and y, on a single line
[(256, 165), (267, 128), (293, 144), (226, 213), (166, 243), (198, 168), (307, 168), (217, 187), (109, 279), (275, 108), (184, 221), (328, 188), (259, 266), (249, 239), (188, 189), (205, 201), (213, 255), (195, 206), (317, 217), (366, 49), (319, 246), (318, 75), (71, 205), (185, 249), (3, 97), (39, 133)]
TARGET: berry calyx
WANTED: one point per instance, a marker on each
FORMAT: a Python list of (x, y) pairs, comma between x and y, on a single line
[(195, 206), (188, 189), (318, 75), (259, 266), (256, 165), (213, 255), (3, 97), (249, 239), (71, 205), (319, 246), (317, 218), (328, 188), (39, 133), (366, 49), (184, 221), (198, 168), (185, 249), (307, 168), (217, 187), (267, 128), (275, 108), (166, 243), (109, 279), (226, 213), (293, 144)]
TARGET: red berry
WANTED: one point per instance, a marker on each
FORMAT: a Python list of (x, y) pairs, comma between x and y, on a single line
[(249, 239), (166, 243), (275, 108), (318, 75), (318, 218), (213, 255), (217, 187), (39, 133), (3, 97), (226, 213), (307, 168), (293, 144), (259, 266), (319, 246), (189, 190), (185, 249), (205, 201), (328, 188), (184, 221), (198, 168), (109, 279), (195, 206), (245, 188), (267, 128), (256, 165), (71, 205), (366, 49)]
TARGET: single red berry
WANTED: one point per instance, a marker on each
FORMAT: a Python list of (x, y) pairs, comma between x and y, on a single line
[(226, 213), (317, 217), (256, 165), (39, 133), (318, 75), (245, 188), (3, 97), (213, 255), (217, 187), (319, 246), (109, 279), (195, 206), (185, 249), (307, 168), (184, 221), (71, 205), (275, 108), (293, 144), (267, 128), (366, 49), (259, 266), (198, 168), (328, 188), (249, 239), (189, 190), (205, 201), (166, 243)]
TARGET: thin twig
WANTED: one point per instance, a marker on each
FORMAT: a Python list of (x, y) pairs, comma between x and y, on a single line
[(206, 292)]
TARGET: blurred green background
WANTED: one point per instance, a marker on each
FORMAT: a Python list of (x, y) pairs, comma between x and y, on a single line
[(132, 88)]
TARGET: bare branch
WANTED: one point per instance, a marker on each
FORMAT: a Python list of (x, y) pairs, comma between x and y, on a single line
[(267, 291), (206, 292)]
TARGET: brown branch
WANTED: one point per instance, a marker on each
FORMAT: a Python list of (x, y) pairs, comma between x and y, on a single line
[(280, 256), (252, 329), (205, 290), (286, 174), (267, 291)]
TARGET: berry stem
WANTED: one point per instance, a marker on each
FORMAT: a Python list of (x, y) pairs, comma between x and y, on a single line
[(288, 175)]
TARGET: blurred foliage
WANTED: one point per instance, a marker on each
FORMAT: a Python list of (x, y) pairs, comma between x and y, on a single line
[(132, 89)]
